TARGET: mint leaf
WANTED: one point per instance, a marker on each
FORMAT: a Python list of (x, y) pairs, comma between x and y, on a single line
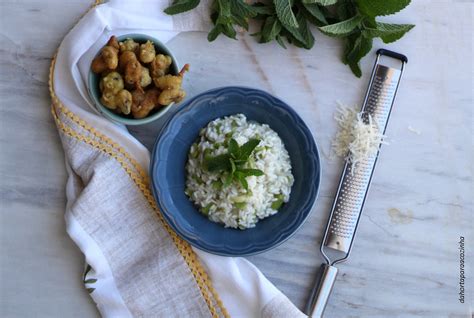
[(234, 149), (270, 30), (232, 165), (285, 13), (373, 8), (356, 50), (264, 8), (321, 2), (214, 33), (228, 179), (239, 7), (302, 34), (218, 163), (241, 178), (180, 6), (251, 172), (388, 32), (343, 28), (247, 148), (315, 12), (280, 41)]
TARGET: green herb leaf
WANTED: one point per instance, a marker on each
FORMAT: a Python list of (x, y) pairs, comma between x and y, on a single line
[(232, 165), (243, 9), (373, 8), (289, 19), (180, 6), (356, 51), (314, 12), (228, 179), (251, 172), (90, 281), (217, 163), (264, 8), (234, 149), (241, 178), (301, 36), (285, 13), (247, 148), (343, 28), (388, 32), (270, 29), (279, 40), (321, 2), (214, 33)]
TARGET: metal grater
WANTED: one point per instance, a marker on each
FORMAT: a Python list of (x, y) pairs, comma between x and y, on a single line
[(354, 185)]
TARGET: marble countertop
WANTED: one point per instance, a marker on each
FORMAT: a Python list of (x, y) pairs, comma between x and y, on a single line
[(405, 261)]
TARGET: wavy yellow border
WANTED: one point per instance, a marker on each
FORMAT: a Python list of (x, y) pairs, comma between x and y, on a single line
[(141, 179)]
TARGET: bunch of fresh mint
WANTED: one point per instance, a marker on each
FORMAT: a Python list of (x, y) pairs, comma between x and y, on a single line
[(354, 21), (234, 162)]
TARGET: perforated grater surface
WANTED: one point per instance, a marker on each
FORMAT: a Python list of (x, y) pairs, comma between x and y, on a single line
[(354, 185)]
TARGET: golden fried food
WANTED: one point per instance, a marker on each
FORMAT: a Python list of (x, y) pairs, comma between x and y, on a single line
[(149, 102), (145, 79), (171, 81), (160, 65), (147, 52), (138, 96), (113, 42), (128, 45), (174, 95), (108, 99), (123, 100), (133, 73), (127, 78), (125, 58), (168, 82), (106, 60), (112, 82)]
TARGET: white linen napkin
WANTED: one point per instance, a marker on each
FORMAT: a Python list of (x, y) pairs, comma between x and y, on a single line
[(136, 266)]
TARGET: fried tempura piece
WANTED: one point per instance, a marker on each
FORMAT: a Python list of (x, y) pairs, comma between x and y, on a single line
[(160, 65), (145, 79), (169, 96), (125, 58), (133, 73), (106, 60), (123, 100), (112, 82), (147, 52), (128, 45), (147, 104), (113, 42)]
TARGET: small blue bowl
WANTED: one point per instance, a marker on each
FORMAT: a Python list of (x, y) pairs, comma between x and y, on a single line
[(95, 94), (170, 155)]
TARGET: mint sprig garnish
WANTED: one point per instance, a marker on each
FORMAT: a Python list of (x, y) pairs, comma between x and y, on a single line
[(354, 21), (234, 162)]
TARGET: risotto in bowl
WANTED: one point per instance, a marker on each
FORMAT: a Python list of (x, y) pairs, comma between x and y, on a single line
[(235, 171)]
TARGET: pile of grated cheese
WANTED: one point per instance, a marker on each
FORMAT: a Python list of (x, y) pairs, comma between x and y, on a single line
[(356, 140)]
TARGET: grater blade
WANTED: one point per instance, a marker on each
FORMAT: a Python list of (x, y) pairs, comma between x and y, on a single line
[(354, 183)]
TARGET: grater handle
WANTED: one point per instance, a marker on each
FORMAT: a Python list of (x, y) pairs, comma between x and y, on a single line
[(321, 291)]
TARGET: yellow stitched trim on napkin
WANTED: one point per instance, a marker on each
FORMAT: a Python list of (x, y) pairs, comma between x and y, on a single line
[(140, 178)]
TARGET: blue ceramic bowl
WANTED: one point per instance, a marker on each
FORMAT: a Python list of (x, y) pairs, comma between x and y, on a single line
[(168, 173), (95, 94)]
